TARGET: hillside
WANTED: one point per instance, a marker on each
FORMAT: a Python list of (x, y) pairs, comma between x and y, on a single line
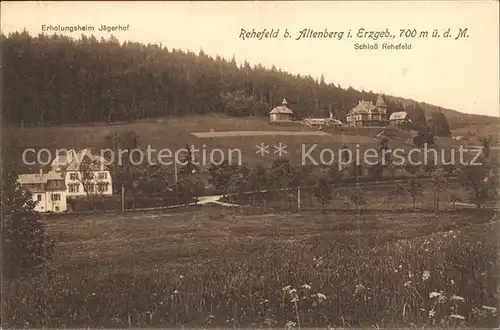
[(218, 132), (455, 118), (175, 133), (56, 80)]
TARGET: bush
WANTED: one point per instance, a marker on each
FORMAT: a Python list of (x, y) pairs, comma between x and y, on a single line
[(26, 247), (97, 203), (422, 138), (109, 203)]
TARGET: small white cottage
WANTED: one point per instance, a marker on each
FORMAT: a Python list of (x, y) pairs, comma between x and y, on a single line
[(398, 118)]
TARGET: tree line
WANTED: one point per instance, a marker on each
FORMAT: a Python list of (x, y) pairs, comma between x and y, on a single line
[(59, 80)]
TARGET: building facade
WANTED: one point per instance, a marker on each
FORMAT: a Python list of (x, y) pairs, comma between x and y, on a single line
[(323, 122), (48, 191), (399, 118), (83, 173), (282, 113), (367, 114)]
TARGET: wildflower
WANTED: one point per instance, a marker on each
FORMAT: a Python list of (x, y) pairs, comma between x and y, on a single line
[(432, 313), (442, 298), (410, 274), (290, 324), (407, 284), (181, 277), (286, 288), (306, 286), (359, 288), (319, 261), (452, 282), (426, 275), (456, 316), (175, 292), (489, 308), (294, 300), (455, 297), (434, 294), (292, 291), (321, 296)]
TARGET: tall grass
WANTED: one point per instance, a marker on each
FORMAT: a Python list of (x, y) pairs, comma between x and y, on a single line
[(445, 279)]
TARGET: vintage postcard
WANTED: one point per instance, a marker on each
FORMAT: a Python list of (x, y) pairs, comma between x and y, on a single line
[(288, 164)]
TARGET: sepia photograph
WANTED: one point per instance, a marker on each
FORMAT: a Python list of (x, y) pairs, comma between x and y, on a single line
[(250, 164)]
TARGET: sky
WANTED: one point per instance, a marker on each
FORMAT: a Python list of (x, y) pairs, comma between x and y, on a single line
[(461, 74)]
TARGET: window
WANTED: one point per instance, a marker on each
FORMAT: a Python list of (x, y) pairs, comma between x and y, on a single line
[(56, 197), (57, 208), (74, 188), (102, 176), (39, 197), (102, 187), (73, 176)]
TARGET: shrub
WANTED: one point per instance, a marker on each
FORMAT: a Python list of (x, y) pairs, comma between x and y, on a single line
[(26, 247)]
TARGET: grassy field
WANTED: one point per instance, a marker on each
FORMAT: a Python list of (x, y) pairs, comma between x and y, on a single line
[(175, 133), (477, 131), (248, 267), (382, 197)]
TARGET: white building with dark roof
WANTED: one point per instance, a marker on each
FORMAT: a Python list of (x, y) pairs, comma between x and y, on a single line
[(282, 113), (367, 114), (399, 117), (48, 190), (83, 173)]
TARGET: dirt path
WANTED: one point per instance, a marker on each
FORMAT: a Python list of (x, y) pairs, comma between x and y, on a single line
[(258, 133)]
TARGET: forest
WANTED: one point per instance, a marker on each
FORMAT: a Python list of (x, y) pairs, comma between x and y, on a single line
[(58, 80)]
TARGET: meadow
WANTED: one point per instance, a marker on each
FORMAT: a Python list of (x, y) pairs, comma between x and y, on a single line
[(210, 266), (383, 197), (175, 133)]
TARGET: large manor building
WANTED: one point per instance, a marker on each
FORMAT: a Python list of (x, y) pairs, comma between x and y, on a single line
[(367, 114)]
